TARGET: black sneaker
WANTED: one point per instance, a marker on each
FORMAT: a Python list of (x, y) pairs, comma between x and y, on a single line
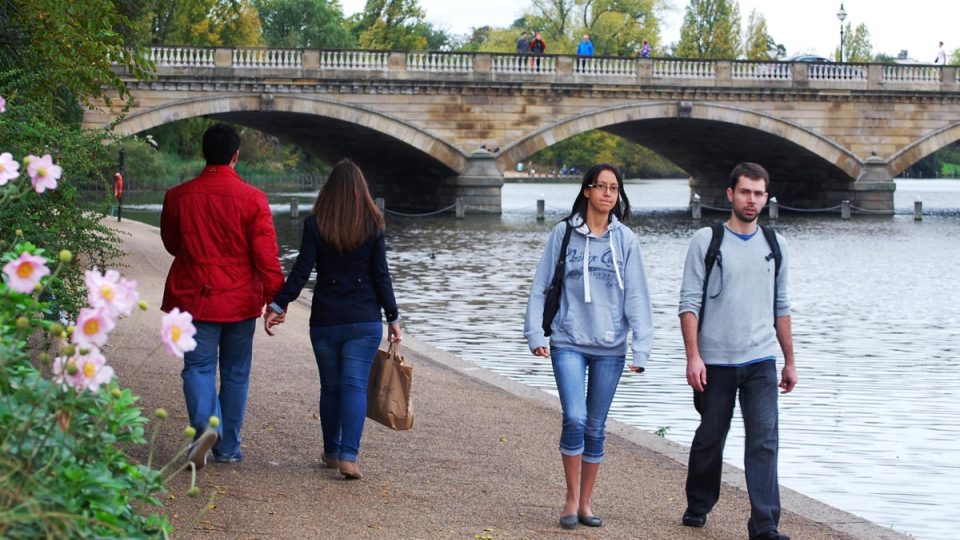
[(694, 519)]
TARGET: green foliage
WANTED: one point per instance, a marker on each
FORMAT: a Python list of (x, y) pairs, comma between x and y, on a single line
[(315, 24), (64, 465), (856, 44), (234, 23), (392, 24), (143, 164), (759, 45), (616, 27), (711, 30), (68, 217), (597, 146), (72, 44)]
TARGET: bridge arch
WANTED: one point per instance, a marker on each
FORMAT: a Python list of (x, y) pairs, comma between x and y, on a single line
[(236, 107), (674, 112), (924, 147)]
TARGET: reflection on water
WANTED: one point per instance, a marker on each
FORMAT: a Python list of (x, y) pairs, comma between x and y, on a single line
[(872, 426)]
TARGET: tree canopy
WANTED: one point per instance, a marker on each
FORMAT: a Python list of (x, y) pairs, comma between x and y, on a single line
[(316, 24), (711, 30)]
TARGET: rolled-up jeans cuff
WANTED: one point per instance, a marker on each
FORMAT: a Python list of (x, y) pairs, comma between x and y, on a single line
[(592, 458), (571, 451)]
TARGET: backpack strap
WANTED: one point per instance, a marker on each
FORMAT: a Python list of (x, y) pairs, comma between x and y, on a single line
[(711, 258), (771, 235), (562, 260)]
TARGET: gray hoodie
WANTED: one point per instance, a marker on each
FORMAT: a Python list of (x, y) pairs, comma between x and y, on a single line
[(596, 313)]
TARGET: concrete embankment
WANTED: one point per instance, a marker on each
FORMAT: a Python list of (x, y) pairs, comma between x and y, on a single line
[(481, 462)]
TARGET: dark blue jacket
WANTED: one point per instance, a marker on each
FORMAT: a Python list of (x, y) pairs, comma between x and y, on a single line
[(351, 287)]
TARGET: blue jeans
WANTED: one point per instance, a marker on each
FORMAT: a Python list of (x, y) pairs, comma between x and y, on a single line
[(229, 345), (757, 385), (585, 402), (344, 355)]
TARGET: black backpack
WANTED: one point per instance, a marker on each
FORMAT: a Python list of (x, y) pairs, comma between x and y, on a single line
[(713, 257)]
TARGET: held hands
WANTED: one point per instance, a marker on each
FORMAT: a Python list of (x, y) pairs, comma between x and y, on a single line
[(272, 319)]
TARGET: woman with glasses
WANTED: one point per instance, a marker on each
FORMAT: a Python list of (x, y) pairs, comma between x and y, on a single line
[(603, 296)]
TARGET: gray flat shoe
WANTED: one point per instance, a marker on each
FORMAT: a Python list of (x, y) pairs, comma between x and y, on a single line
[(568, 522), (590, 521)]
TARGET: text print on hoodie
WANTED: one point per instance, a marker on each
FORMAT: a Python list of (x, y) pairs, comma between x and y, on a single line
[(595, 313)]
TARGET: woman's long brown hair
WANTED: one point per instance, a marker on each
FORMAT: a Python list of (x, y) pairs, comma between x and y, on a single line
[(345, 212)]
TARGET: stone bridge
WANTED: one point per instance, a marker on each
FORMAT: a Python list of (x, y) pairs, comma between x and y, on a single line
[(428, 127)]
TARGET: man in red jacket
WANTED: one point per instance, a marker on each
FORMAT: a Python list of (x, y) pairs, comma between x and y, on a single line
[(225, 269)]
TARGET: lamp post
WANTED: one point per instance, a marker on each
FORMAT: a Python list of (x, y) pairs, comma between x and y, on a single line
[(842, 14)]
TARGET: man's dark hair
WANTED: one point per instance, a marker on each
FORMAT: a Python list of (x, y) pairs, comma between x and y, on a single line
[(220, 143), (750, 170)]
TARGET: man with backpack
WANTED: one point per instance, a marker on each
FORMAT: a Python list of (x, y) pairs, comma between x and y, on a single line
[(734, 316)]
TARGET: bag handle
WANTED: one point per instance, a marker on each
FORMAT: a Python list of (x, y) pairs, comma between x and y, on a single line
[(394, 351)]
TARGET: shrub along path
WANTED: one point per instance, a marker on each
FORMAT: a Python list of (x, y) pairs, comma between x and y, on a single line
[(481, 462)]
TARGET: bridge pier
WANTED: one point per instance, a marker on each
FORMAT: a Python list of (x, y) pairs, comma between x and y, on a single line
[(480, 184)]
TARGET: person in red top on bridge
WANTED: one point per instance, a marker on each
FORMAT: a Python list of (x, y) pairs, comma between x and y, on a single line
[(226, 267)]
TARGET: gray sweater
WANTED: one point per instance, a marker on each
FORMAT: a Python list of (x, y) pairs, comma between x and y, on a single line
[(738, 320)]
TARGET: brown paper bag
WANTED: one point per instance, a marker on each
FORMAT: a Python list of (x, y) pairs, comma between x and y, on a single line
[(389, 399)]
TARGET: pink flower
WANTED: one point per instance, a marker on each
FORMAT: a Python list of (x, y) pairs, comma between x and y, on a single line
[(177, 332), (8, 168), (93, 325), (3, 105), (118, 296), (43, 173), (89, 370), (24, 272)]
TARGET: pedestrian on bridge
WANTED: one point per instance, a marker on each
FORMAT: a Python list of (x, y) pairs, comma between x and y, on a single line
[(584, 49), (226, 267), (603, 294), (735, 317), (343, 240), (941, 56), (537, 47), (523, 49)]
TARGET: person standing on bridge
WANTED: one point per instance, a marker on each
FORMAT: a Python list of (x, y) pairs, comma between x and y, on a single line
[(603, 295), (537, 47), (584, 49), (523, 50), (226, 267), (734, 315), (645, 50), (941, 56), (343, 239)]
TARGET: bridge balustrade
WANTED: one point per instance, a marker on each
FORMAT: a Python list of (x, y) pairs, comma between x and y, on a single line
[(684, 69), (614, 70), (606, 67), (523, 63), (268, 58), (182, 56), (356, 60), (440, 62), (912, 74)]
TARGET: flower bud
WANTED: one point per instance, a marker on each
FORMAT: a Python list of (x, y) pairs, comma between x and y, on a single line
[(214, 421), (193, 492), (18, 233), (160, 413), (190, 432), (44, 358), (70, 329), (68, 350), (23, 323), (57, 330), (66, 256), (72, 368), (143, 305), (38, 287), (84, 351), (116, 393)]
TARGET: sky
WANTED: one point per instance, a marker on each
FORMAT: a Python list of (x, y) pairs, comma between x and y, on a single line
[(810, 26)]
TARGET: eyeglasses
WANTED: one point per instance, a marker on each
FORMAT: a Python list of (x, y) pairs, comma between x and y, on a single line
[(609, 188)]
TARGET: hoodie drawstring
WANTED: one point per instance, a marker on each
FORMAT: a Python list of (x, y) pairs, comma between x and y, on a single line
[(586, 268), (616, 267)]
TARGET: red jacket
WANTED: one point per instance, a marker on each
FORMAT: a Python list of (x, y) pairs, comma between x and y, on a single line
[(226, 264)]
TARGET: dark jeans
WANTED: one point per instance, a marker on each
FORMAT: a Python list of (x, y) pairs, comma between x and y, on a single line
[(757, 384), (229, 346)]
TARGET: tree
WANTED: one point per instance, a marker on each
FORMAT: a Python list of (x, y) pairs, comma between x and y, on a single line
[(315, 24), (72, 44), (233, 23), (616, 27), (759, 45), (711, 29), (391, 24), (856, 44)]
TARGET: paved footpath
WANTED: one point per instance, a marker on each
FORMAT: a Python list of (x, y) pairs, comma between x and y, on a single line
[(481, 462)]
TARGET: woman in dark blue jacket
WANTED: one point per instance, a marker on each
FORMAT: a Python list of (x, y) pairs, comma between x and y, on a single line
[(343, 239)]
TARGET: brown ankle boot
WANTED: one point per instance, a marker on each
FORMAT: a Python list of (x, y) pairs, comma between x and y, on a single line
[(350, 470), (329, 462)]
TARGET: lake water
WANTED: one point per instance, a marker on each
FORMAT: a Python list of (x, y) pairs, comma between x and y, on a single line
[(872, 427)]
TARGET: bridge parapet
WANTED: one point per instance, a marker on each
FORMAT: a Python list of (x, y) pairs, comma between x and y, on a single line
[(625, 71)]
